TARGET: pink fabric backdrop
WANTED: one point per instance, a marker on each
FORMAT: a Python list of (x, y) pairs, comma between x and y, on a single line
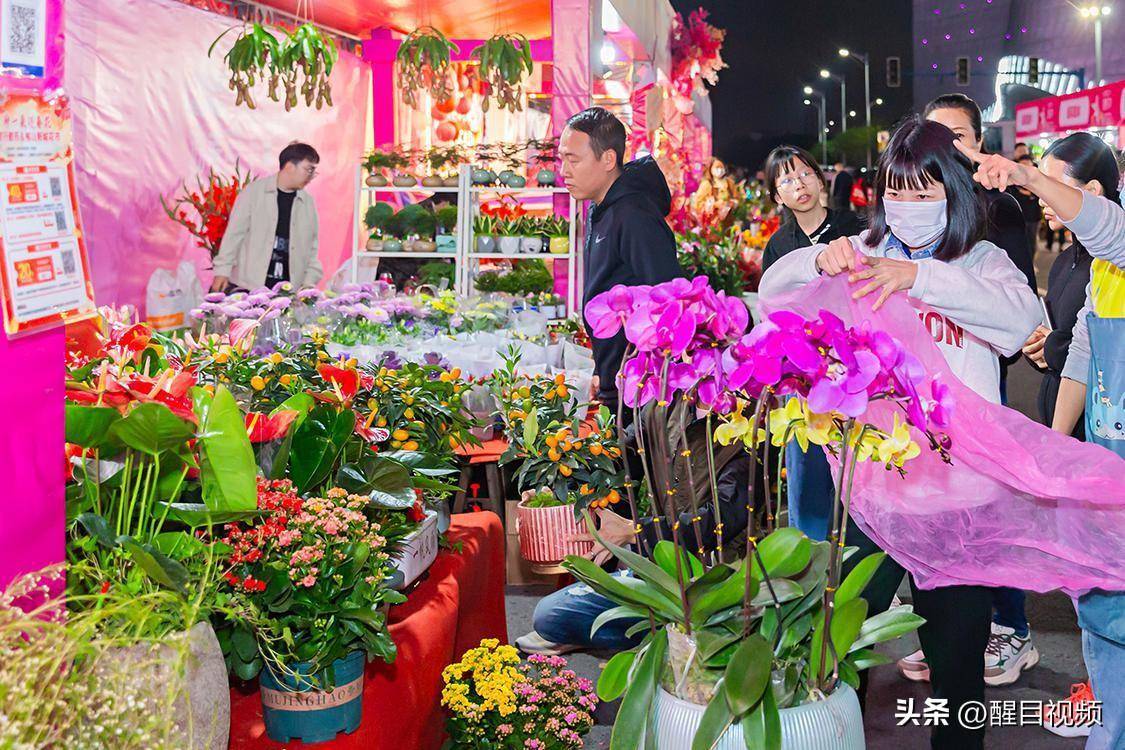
[(32, 511), (151, 109)]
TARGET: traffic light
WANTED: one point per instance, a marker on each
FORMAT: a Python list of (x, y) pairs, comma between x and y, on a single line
[(1033, 71), (962, 71), (894, 72)]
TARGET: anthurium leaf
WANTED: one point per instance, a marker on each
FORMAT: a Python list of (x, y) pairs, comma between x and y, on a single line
[(301, 403), (88, 426), (633, 715), (748, 673), (228, 472), (156, 565), (196, 515), (178, 545), (887, 626), (761, 728), (386, 481), (317, 444), (425, 483), (615, 676), (98, 528), (717, 718), (151, 428), (857, 580)]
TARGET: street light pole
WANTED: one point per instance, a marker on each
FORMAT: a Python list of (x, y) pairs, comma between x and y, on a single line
[(1096, 12), (866, 60), (843, 97), (821, 120)]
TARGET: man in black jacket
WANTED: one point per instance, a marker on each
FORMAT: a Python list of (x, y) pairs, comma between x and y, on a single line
[(627, 240)]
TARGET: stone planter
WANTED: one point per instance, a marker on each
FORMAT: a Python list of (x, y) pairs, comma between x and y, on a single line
[(509, 245), (405, 180), (373, 245), (545, 534), (834, 723), (531, 245), (424, 246), (200, 713), (451, 182), (432, 181), (392, 246), (376, 180)]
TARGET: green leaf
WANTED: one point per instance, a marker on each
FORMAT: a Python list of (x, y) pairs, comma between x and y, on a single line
[(665, 556), (178, 544), (622, 590), (887, 626), (615, 676), (530, 429), (784, 589), (761, 728), (317, 445), (88, 426), (717, 718), (641, 566), (301, 403), (247, 670), (98, 528), (748, 673), (727, 594), (244, 644), (615, 613), (866, 658), (156, 565), (795, 633), (151, 428), (228, 473), (861, 575), (636, 707), (196, 515), (846, 624), (387, 482), (785, 553)]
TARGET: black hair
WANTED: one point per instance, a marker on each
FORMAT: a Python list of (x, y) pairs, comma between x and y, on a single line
[(295, 153), (1026, 157), (1018, 144), (921, 152), (781, 159), (605, 130), (961, 102), (1087, 158)]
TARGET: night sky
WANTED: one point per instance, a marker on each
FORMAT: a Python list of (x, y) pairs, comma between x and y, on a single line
[(774, 47)]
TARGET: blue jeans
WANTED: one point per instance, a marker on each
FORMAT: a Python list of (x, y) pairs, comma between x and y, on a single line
[(567, 615), (1009, 609), (810, 490), (1102, 618)]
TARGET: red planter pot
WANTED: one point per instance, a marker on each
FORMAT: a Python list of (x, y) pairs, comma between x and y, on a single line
[(545, 534)]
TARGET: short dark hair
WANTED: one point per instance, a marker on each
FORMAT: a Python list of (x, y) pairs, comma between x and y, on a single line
[(1087, 158), (606, 131), (961, 102), (1026, 157), (1020, 143), (921, 152), (295, 153), (781, 160)]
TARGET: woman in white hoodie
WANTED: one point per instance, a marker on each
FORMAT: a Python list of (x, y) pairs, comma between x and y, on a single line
[(926, 239)]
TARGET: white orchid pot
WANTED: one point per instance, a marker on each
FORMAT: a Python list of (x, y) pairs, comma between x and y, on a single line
[(834, 723)]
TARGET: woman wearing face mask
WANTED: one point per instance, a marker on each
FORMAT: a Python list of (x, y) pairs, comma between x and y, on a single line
[(716, 189), (794, 180), (926, 239), (1093, 381)]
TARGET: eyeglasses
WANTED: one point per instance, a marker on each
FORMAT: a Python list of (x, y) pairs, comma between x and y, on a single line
[(310, 170), (790, 183)]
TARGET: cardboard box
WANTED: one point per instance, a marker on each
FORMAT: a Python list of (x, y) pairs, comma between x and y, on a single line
[(517, 570)]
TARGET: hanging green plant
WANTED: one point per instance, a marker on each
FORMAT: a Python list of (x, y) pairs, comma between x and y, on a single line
[(505, 60), (423, 62), (258, 55)]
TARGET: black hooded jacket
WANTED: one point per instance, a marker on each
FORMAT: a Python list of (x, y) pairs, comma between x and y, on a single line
[(627, 242)]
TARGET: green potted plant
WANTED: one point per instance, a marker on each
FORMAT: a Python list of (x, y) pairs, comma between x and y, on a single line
[(505, 59), (484, 231), (404, 174), (375, 219), (395, 230), (423, 64), (508, 235), (379, 162), (531, 240), (422, 224), (447, 229), (545, 158), (437, 273), (557, 230)]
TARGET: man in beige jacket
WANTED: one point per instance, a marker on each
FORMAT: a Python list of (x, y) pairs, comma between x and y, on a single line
[(272, 233)]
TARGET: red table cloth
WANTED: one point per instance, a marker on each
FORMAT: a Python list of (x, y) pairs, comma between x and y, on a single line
[(458, 604)]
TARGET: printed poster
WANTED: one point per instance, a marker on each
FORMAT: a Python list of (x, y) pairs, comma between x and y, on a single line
[(23, 36)]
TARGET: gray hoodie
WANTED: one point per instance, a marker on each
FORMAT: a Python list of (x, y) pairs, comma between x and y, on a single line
[(975, 307), (1100, 227)]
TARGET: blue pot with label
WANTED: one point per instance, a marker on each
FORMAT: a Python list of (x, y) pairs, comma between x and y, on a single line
[(296, 707)]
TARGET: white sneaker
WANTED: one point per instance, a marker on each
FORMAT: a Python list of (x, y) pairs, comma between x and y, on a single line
[(1007, 655), (533, 643), (915, 667)]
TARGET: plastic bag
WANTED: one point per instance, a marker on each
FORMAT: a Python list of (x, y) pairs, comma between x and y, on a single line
[(170, 296)]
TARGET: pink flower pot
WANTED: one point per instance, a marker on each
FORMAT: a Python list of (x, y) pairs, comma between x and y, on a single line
[(545, 534)]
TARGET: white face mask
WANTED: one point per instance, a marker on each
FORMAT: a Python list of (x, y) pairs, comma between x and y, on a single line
[(916, 223)]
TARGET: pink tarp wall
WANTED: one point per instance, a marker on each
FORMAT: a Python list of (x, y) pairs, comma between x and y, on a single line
[(32, 511), (151, 110)]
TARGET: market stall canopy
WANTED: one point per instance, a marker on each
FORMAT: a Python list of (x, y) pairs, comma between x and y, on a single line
[(458, 19)]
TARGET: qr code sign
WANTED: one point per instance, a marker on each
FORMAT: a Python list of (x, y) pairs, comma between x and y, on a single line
[(23, 28)]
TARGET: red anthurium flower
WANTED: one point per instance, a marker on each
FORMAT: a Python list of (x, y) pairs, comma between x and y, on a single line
[(371, 434), (417, 512), (343, 380), (263, 428)]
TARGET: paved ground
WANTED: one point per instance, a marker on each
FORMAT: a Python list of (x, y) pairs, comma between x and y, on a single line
[(1053, 623)]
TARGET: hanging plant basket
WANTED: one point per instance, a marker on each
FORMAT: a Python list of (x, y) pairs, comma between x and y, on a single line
[(423, 63), (505, 60), (258, 56)]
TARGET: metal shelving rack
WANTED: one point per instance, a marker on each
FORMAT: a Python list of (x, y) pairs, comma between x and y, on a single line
[(468, 207)]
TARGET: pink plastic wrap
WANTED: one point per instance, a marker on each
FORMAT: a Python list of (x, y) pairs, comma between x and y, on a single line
[(152, 110), (1020, 506)]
